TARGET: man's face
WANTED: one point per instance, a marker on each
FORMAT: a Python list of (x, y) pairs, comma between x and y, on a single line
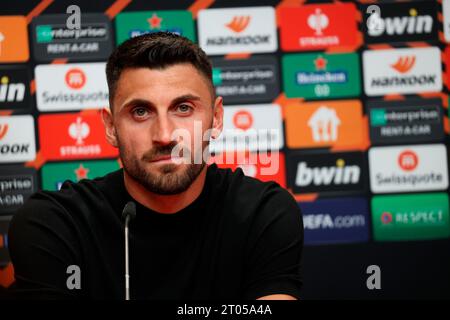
[(149, 105)]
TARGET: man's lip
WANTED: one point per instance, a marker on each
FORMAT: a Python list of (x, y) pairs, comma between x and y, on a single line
[(165, 158)]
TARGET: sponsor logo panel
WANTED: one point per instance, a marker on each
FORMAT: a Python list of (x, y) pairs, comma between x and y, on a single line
[(402, 71), (318, 26), (71, 87), (401, 22), (16, 185), (324, 124), (408, 168), (17, 139), (14, 88), (54, 174), (237, 30), (410, 217), (13, 39), (319, 76), (328, 221), (326, 173), (411, 121), (53, 40), (250, 128), (133, 24), (249, 80), (73, 136)]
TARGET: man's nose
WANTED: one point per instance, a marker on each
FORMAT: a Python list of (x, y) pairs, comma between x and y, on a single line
[(162, 130)]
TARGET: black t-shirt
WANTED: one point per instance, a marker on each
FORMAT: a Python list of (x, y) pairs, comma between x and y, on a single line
[(240, 239)]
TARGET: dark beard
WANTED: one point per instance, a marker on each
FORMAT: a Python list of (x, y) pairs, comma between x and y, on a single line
[(167, 181)]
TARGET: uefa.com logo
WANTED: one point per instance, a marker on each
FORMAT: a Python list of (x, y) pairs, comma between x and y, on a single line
[(244, 139)]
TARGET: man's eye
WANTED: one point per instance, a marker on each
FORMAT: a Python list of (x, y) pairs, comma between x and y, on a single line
[(140, 112), (184, 108)]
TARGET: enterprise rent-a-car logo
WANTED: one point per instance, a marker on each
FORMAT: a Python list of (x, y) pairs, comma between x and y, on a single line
[(52, 39)]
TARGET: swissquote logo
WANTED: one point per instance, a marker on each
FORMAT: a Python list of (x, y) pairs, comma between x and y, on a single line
[(334, 172), (408, 160), (75, 78), (73, 137), (401, 22), (71, 87), (402, 71), (317, 26), (17, 142), (408, 168), (223, 31)]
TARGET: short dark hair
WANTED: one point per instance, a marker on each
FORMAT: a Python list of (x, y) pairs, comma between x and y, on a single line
[(157, 50)]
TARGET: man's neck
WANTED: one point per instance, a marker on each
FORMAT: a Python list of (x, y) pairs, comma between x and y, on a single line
[(165, 204)]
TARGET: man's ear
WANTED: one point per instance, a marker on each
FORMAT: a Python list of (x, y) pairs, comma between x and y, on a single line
[(111, 134), (217, 125)]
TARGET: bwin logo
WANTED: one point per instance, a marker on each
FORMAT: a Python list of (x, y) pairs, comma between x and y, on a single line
[(412, 24), (11, 92), (339, 174)]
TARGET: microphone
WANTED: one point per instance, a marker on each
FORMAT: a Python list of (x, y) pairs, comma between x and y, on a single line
[(128, 214)]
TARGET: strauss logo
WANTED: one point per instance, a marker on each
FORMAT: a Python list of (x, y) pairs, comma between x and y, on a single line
[(318, 21), (79, 130)]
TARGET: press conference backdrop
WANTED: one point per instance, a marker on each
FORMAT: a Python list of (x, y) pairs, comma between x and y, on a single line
[(358, 94)]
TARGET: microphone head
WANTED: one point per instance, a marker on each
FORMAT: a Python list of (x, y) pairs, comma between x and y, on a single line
[(129, 210)]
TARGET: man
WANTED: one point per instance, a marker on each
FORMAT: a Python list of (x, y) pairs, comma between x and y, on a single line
[(200, 232)]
